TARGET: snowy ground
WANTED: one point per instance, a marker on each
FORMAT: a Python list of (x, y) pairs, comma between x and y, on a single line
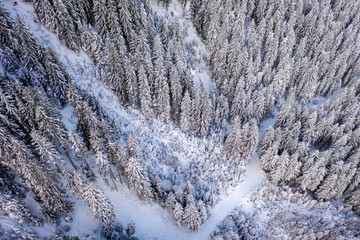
[(151, 220)]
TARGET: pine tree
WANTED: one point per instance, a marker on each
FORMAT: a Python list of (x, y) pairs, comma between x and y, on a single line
[(79, 148), (203, 214), (249, 138), (185, 116), (144, 93), (46, 14), (313, 173), (195, 106), (232, 145), (58, 80), (170, 202), (190, 218), (175, 92), (179, 195), (120, 158), (45, 149), (178, 212), (131, 84), (163, 100), (206, 113), (137, 178), (112, 20), (221, 111), (160, 87), (65, 28), (115, 69), (134, 147), (99, 205), (124, 17)]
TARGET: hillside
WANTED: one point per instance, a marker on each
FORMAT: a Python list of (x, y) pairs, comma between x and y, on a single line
[(155, 119)]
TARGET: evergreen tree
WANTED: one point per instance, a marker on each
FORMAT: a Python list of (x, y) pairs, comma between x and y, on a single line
[(131, 84), (45, 149), (99, 205), (46, 14), (137, 178), (178, 212), (185, 116), (134, 147), (221, 111), (175, 92), (120, 158), (203, 214), (190, 218), (65, 25), (144, 93), (206, 113), (232, 145)]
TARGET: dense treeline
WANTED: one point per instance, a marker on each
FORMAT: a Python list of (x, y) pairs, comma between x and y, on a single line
[(139, 55), (282, 213)]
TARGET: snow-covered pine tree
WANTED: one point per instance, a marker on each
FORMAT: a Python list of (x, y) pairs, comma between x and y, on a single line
[(99, 205), (46, 14), (170, 202), (17, 210), (124, 17), (221, 111), (120, 158), (203, 214), (115, 70), (232, 145), (136, 175), (65, 25), (190, 218), (144, 93), (134, 147), (80, 149), (175, 92), (206, 113), (249, 138), (131, 83), (185, 115), (160, 87), (195, 106), (178, 212), (45, 149), (58, 80)]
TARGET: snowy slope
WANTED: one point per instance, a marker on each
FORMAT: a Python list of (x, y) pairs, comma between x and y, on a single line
[(150, 219)]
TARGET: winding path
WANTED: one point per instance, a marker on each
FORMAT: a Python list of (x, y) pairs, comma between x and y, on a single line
[(253, 179)]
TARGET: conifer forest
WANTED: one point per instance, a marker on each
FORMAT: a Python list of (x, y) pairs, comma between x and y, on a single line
[(179, 119)]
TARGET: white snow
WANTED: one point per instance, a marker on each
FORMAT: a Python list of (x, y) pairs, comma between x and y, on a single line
[(150, 219), (68, 118), (82, 221), (318, 100)]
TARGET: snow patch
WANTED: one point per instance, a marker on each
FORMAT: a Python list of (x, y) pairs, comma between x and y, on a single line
[(68, 118)]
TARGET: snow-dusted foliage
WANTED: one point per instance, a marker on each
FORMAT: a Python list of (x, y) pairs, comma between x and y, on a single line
[(281, 213)]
